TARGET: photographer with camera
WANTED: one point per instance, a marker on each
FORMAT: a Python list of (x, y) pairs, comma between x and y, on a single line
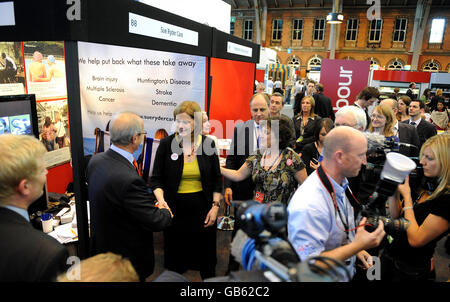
[(409, 256), (321, 214)]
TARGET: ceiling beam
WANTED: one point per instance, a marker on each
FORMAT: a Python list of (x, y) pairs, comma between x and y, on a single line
[(405, 3), (249, 4), (234, 3), (321, 3), (290, 3), (306, 3), (276, 3), (388, 2)]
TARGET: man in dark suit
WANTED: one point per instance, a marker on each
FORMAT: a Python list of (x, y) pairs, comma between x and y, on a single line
[(245, 142), (410, 92), (123, 213), (26, 254), (425, 129), (365, 99), (323, 106), (310, 90), (405, 133)]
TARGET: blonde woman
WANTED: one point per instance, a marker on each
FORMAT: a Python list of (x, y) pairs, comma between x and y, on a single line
[(409, 255), (305, 123), (382, 122)]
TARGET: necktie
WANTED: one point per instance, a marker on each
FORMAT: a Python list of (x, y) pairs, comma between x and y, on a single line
[(258, 136), (135, 164), (413, 123)]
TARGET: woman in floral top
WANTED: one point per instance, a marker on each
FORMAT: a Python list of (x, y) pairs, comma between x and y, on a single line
[(276, 169)]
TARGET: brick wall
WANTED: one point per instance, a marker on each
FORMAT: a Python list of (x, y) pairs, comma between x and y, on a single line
[(383, 52)]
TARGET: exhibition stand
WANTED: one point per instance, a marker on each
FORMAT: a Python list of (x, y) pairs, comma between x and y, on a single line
[(122, 55)]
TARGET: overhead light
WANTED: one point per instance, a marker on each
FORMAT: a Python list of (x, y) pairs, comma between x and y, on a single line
[(335, 18)]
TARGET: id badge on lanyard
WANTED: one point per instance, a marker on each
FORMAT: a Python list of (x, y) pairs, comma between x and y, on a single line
[(259, 197)]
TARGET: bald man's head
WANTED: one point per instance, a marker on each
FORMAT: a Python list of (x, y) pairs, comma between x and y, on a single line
[(345, 147), (391, 103), (124, 126)]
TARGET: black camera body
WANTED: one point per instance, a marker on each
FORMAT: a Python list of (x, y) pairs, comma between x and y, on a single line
[(260, 247), (375, 209)]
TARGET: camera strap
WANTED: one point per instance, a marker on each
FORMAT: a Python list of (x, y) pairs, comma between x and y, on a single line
[(352, 199)]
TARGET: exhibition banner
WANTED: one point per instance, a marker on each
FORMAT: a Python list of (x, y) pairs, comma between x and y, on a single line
[(38, 67), (343, 80), (150, 83)]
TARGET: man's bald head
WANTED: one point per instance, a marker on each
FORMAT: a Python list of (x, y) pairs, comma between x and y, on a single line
[(124, 126), (391, 103), (342, 138)]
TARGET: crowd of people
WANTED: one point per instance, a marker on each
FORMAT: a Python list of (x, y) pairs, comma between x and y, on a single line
[(315, 164)]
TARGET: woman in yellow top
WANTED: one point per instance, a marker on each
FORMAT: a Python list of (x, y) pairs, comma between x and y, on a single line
[(186, 175)]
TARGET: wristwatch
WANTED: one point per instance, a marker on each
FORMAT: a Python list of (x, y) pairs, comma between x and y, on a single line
[(216, 203)]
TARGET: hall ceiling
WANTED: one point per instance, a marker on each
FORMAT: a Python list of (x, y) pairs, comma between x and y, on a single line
[(292, 4)]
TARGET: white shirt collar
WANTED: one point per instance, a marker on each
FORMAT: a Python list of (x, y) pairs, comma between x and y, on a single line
[(124, 153), (417, 122), (20, 211)]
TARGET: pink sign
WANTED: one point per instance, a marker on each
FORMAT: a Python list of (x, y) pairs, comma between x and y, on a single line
[(343, 80)]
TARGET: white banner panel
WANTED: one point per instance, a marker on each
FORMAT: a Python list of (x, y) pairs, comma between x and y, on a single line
[(148, 82)]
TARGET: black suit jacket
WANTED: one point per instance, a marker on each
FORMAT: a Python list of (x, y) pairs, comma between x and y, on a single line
[(425, 130), (167, 171), (123, 215), (323, 107), (308, 131), (408, 134), (27, 254), (242, 146)]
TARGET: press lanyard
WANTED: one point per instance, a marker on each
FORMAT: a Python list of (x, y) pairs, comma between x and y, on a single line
[(327, 184)]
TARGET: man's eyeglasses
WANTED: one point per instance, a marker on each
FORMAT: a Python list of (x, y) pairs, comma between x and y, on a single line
[(143, 132)]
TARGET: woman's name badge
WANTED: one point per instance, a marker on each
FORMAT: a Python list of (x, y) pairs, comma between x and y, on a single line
[(174, 156), (259, 197)]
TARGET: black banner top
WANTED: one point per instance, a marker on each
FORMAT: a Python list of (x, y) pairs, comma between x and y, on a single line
[(230, 47), (115, 22)]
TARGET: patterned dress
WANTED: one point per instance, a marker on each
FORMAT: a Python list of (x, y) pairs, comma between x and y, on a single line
[(277, 185)]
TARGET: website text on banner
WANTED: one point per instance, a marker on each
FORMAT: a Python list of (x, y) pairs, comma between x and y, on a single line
[(148, 82)]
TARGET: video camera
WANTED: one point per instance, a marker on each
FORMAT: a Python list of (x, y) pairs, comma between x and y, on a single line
[(260, 248), (377, 148), (396, 168)]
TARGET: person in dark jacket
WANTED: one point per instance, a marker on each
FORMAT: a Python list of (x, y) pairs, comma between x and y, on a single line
[(123, 212), (186, 175), (323, 104), (26, 254), (305, 123)]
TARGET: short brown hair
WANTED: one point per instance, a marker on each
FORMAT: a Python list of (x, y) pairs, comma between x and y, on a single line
[(368, 93), (286, 135)]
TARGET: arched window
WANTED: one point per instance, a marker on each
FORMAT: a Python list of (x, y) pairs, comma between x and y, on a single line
[(294, 61), (373, 61), (395, 64), (315, 61), (431, 65)]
